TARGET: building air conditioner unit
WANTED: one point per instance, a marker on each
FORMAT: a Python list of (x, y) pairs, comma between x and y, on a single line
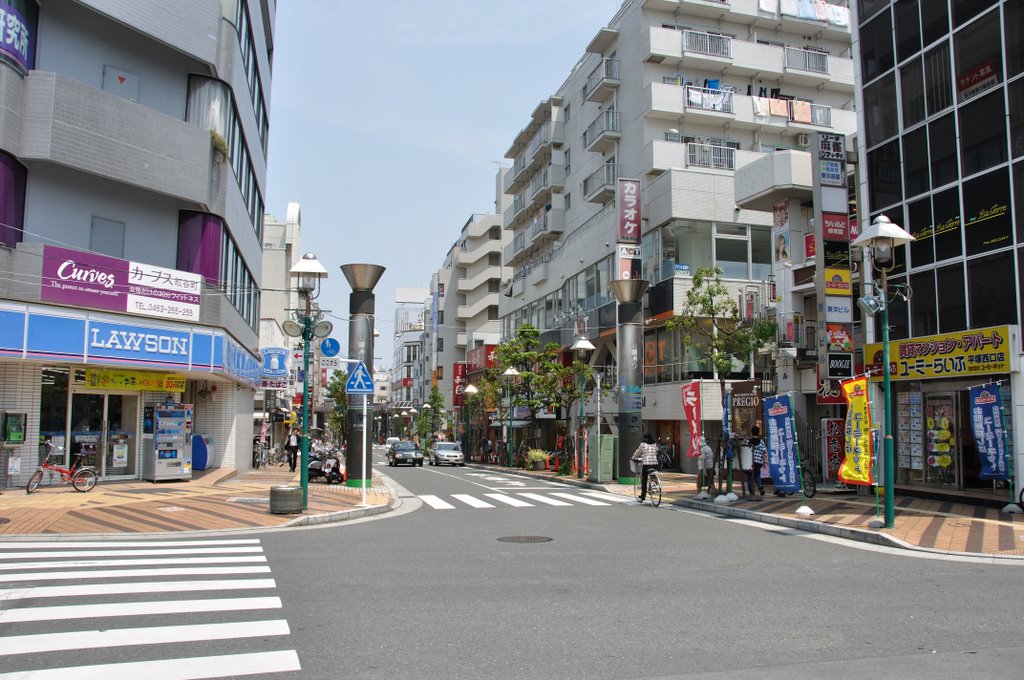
[(803, 140)]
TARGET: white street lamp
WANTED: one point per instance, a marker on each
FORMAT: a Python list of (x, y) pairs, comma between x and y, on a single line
[(510, 373), (582, 347), (882, 237), (470, 391)]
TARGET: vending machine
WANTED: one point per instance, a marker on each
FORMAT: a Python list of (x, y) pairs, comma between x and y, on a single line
[(168, 455)]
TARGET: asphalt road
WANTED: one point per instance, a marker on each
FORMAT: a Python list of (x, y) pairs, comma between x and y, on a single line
[(587, 587), (625, 591)]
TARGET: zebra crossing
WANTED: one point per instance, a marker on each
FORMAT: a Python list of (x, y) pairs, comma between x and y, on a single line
[(523, 499), (144, 601)]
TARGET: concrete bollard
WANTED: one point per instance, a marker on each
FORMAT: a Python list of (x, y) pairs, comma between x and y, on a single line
[(285, 500)]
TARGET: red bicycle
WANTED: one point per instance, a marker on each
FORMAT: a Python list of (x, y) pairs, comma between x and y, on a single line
[(83, 478)]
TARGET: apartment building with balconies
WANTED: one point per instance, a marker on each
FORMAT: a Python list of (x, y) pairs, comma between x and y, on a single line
[(677, 94), (132, 174)]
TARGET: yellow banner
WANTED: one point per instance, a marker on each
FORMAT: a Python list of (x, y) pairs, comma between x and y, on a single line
[(856, 467), (983, 351), (127, 379)]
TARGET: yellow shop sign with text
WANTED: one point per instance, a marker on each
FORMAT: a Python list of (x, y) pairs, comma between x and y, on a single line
[(837, 282), (977, 352), (127, 379)]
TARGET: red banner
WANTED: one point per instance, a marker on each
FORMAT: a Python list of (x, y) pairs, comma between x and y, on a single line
[(629, 211), (459, 381), (692, 410), (481, 358)]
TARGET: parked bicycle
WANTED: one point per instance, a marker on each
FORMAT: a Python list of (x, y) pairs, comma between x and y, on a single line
[(82, 477), (653, 484), (809, 485)]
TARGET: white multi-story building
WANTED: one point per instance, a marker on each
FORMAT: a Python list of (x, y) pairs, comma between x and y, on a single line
[(132, 169), (677, 94)]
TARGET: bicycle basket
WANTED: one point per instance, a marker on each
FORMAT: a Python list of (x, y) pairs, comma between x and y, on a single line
[(636, 466)]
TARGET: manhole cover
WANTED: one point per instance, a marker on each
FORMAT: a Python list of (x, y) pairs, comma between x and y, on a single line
[(525, 539)]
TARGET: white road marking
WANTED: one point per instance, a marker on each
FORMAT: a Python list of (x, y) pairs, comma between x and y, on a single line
[(126, 588), (605, 496), (544, 499), (508, 500), (124, 544), (124, 563), (471, 500), (127, 553), (577, 498), (79, 575), (88, 611), (436, 503), (123, 637), (229, 665)]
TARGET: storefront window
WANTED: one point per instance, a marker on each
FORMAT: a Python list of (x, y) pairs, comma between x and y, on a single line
[(692, 244), (53, 404), (922, 303), (731, 256)]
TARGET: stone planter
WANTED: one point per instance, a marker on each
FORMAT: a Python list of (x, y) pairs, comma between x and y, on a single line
[(538, 465)]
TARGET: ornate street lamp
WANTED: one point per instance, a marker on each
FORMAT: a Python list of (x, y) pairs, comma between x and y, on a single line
[(882, 237), (470, 391), (307, 272), (510, 374), (582, 347)]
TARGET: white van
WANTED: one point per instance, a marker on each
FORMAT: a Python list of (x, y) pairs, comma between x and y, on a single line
[(390, 441)]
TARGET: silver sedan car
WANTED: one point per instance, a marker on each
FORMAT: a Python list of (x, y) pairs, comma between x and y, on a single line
[(447, 452)]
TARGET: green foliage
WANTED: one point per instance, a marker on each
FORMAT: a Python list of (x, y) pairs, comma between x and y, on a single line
[(338, 419), (429, 419), (565, 468), (219, 144), (711, 320), (535, 455)]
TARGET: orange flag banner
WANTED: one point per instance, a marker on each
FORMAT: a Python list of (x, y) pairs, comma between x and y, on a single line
[(856, 467)]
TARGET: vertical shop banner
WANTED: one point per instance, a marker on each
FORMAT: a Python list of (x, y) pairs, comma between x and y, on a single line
[(459, 381), (629, 210), (692, 410), (780, 438), (856, 467), (989, 436), (726, 430), (833, 435)]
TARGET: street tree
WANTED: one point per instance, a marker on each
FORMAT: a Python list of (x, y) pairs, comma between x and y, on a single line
[(427, 419), (338, 418)]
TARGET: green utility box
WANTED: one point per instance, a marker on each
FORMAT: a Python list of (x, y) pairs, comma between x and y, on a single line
[(602, 453)]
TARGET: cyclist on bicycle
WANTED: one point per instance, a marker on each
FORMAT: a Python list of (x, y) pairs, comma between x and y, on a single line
[(647, 455)]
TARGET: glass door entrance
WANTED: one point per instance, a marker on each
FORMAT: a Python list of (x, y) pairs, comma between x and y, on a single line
[(104, 432)]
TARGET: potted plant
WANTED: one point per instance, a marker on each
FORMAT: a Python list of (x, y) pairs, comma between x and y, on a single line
[(536, 459)]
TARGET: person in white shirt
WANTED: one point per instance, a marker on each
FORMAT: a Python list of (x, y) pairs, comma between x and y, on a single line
[(292, 448)]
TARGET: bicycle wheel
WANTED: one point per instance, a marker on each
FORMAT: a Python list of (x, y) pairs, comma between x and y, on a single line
[(84, 480), (810, 486), (33, 482), (654, 489)]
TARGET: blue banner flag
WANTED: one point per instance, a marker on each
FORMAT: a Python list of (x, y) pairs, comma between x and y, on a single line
[(780, 438), (726, 419), (989, 435)]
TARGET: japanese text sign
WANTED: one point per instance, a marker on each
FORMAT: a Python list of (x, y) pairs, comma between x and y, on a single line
[(629, 210)]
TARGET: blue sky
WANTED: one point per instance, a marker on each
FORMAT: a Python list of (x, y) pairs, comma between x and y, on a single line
[(388, 121)]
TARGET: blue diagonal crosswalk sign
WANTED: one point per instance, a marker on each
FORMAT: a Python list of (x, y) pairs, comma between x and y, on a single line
[(359, 380)]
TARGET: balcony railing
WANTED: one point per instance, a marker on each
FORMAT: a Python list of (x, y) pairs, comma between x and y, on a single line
[(711, 156), (605, 176), (518, 203), (519, 165), (519, 242), (810, 114), (542, 137), (707, 43), (539, 181), (608, 69), (806, 60), (607, 121), (709, 100)]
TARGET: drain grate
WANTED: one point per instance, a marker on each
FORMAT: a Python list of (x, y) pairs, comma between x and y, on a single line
[(525, 539)]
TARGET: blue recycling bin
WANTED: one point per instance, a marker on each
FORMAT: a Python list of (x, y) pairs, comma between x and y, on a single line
[(201, 449)]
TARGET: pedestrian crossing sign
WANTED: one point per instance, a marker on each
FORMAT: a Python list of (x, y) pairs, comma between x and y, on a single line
[(359, 380)]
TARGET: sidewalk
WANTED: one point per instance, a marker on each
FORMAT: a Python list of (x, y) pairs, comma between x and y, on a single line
[(215, 500), (920, 523)]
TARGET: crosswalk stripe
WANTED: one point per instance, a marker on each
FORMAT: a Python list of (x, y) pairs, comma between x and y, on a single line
[(544, 499), (239, 559), (471, 500), (508, 500), (228, 665), (136, 588), (128, 553), (436, 503), (89, 611), (578, 498), (124, 637), (124, 544), (605, 496), (120, 573)]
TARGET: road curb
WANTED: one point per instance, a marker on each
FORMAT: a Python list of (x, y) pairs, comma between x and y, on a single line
[(339, 516)]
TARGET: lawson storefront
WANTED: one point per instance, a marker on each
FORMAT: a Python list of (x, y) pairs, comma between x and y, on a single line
[(91, 382)]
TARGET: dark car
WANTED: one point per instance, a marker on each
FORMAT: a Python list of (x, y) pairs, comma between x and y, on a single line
[(405, 453), (447, 452)]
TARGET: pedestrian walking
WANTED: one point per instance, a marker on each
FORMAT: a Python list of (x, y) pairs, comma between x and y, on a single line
[(707, 463), (291, 447), (647, 455), (759, 455)]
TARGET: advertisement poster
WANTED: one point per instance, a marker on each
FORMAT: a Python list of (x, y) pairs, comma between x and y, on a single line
[(856, 467), (987, 426), (692, 410), (726, 430), (964, 353), (746, 407), (780, 439), (629, 210), (834, 435)]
